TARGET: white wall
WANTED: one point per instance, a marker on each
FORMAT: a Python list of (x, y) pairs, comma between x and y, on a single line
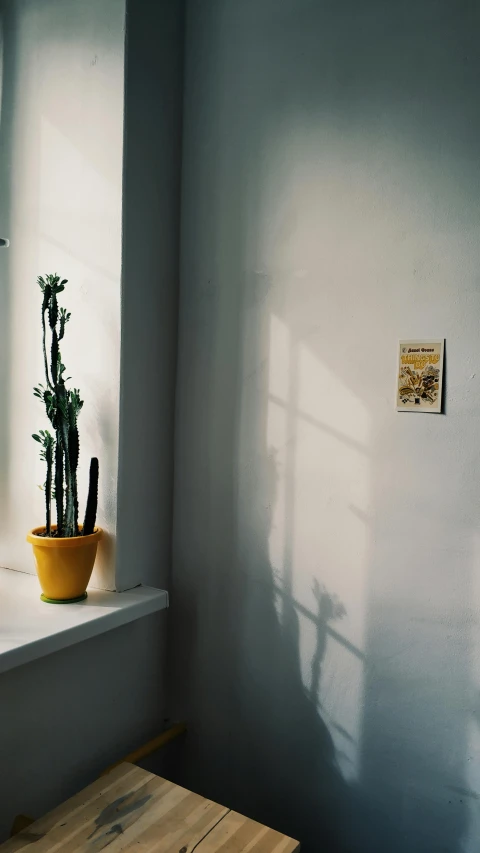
[(330, 207), (61, 206)]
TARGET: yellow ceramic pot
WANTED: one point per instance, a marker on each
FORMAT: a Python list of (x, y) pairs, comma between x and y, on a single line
[(64, 566)]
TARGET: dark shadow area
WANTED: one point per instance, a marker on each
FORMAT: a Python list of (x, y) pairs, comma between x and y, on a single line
[(151, 212), (287, 774), (329, 608), (278, 764)]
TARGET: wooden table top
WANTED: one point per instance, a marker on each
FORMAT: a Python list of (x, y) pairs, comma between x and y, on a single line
[(133, 810)]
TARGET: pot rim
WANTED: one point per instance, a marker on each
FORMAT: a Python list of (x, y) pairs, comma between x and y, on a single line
[(68, 542)]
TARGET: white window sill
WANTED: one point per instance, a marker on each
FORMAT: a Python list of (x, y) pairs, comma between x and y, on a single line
[(31, 629)]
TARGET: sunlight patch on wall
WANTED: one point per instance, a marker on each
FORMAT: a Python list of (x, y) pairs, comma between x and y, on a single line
[(277, 436), (66, 188), (279, 360), (332, 473), (324, 397), (318, 542)]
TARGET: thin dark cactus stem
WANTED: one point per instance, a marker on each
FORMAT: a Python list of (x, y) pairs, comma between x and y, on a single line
[(69, 505), (73, 444), (59, 482), (92, 499), (48, 487)]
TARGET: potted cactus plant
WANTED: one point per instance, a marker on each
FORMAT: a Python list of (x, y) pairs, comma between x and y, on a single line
[(64, 552)]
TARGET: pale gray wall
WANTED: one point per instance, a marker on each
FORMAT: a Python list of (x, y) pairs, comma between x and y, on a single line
[(330, 206), (66, 717), (150, 290)]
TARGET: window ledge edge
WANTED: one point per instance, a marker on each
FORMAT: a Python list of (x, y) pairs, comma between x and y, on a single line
[(31, 629)]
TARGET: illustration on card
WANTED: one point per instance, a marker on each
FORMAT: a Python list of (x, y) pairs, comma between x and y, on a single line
[(420, 376)]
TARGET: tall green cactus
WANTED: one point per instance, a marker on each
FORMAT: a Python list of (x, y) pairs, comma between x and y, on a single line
[(62, 406)]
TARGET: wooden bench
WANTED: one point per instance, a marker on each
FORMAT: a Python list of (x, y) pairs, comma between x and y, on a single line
[(132, 810)]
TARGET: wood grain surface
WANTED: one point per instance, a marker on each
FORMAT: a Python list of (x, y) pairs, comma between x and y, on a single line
[(133, 810)]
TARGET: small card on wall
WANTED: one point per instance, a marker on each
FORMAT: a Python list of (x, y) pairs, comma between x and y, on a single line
[(420, 376)]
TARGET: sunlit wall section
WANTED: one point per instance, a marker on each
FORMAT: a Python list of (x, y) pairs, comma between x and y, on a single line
[(65, 81), (330, 547), (304, 436)]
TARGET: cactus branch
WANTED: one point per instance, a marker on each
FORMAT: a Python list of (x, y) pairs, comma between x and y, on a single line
[(59, 482), (48, 488)]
